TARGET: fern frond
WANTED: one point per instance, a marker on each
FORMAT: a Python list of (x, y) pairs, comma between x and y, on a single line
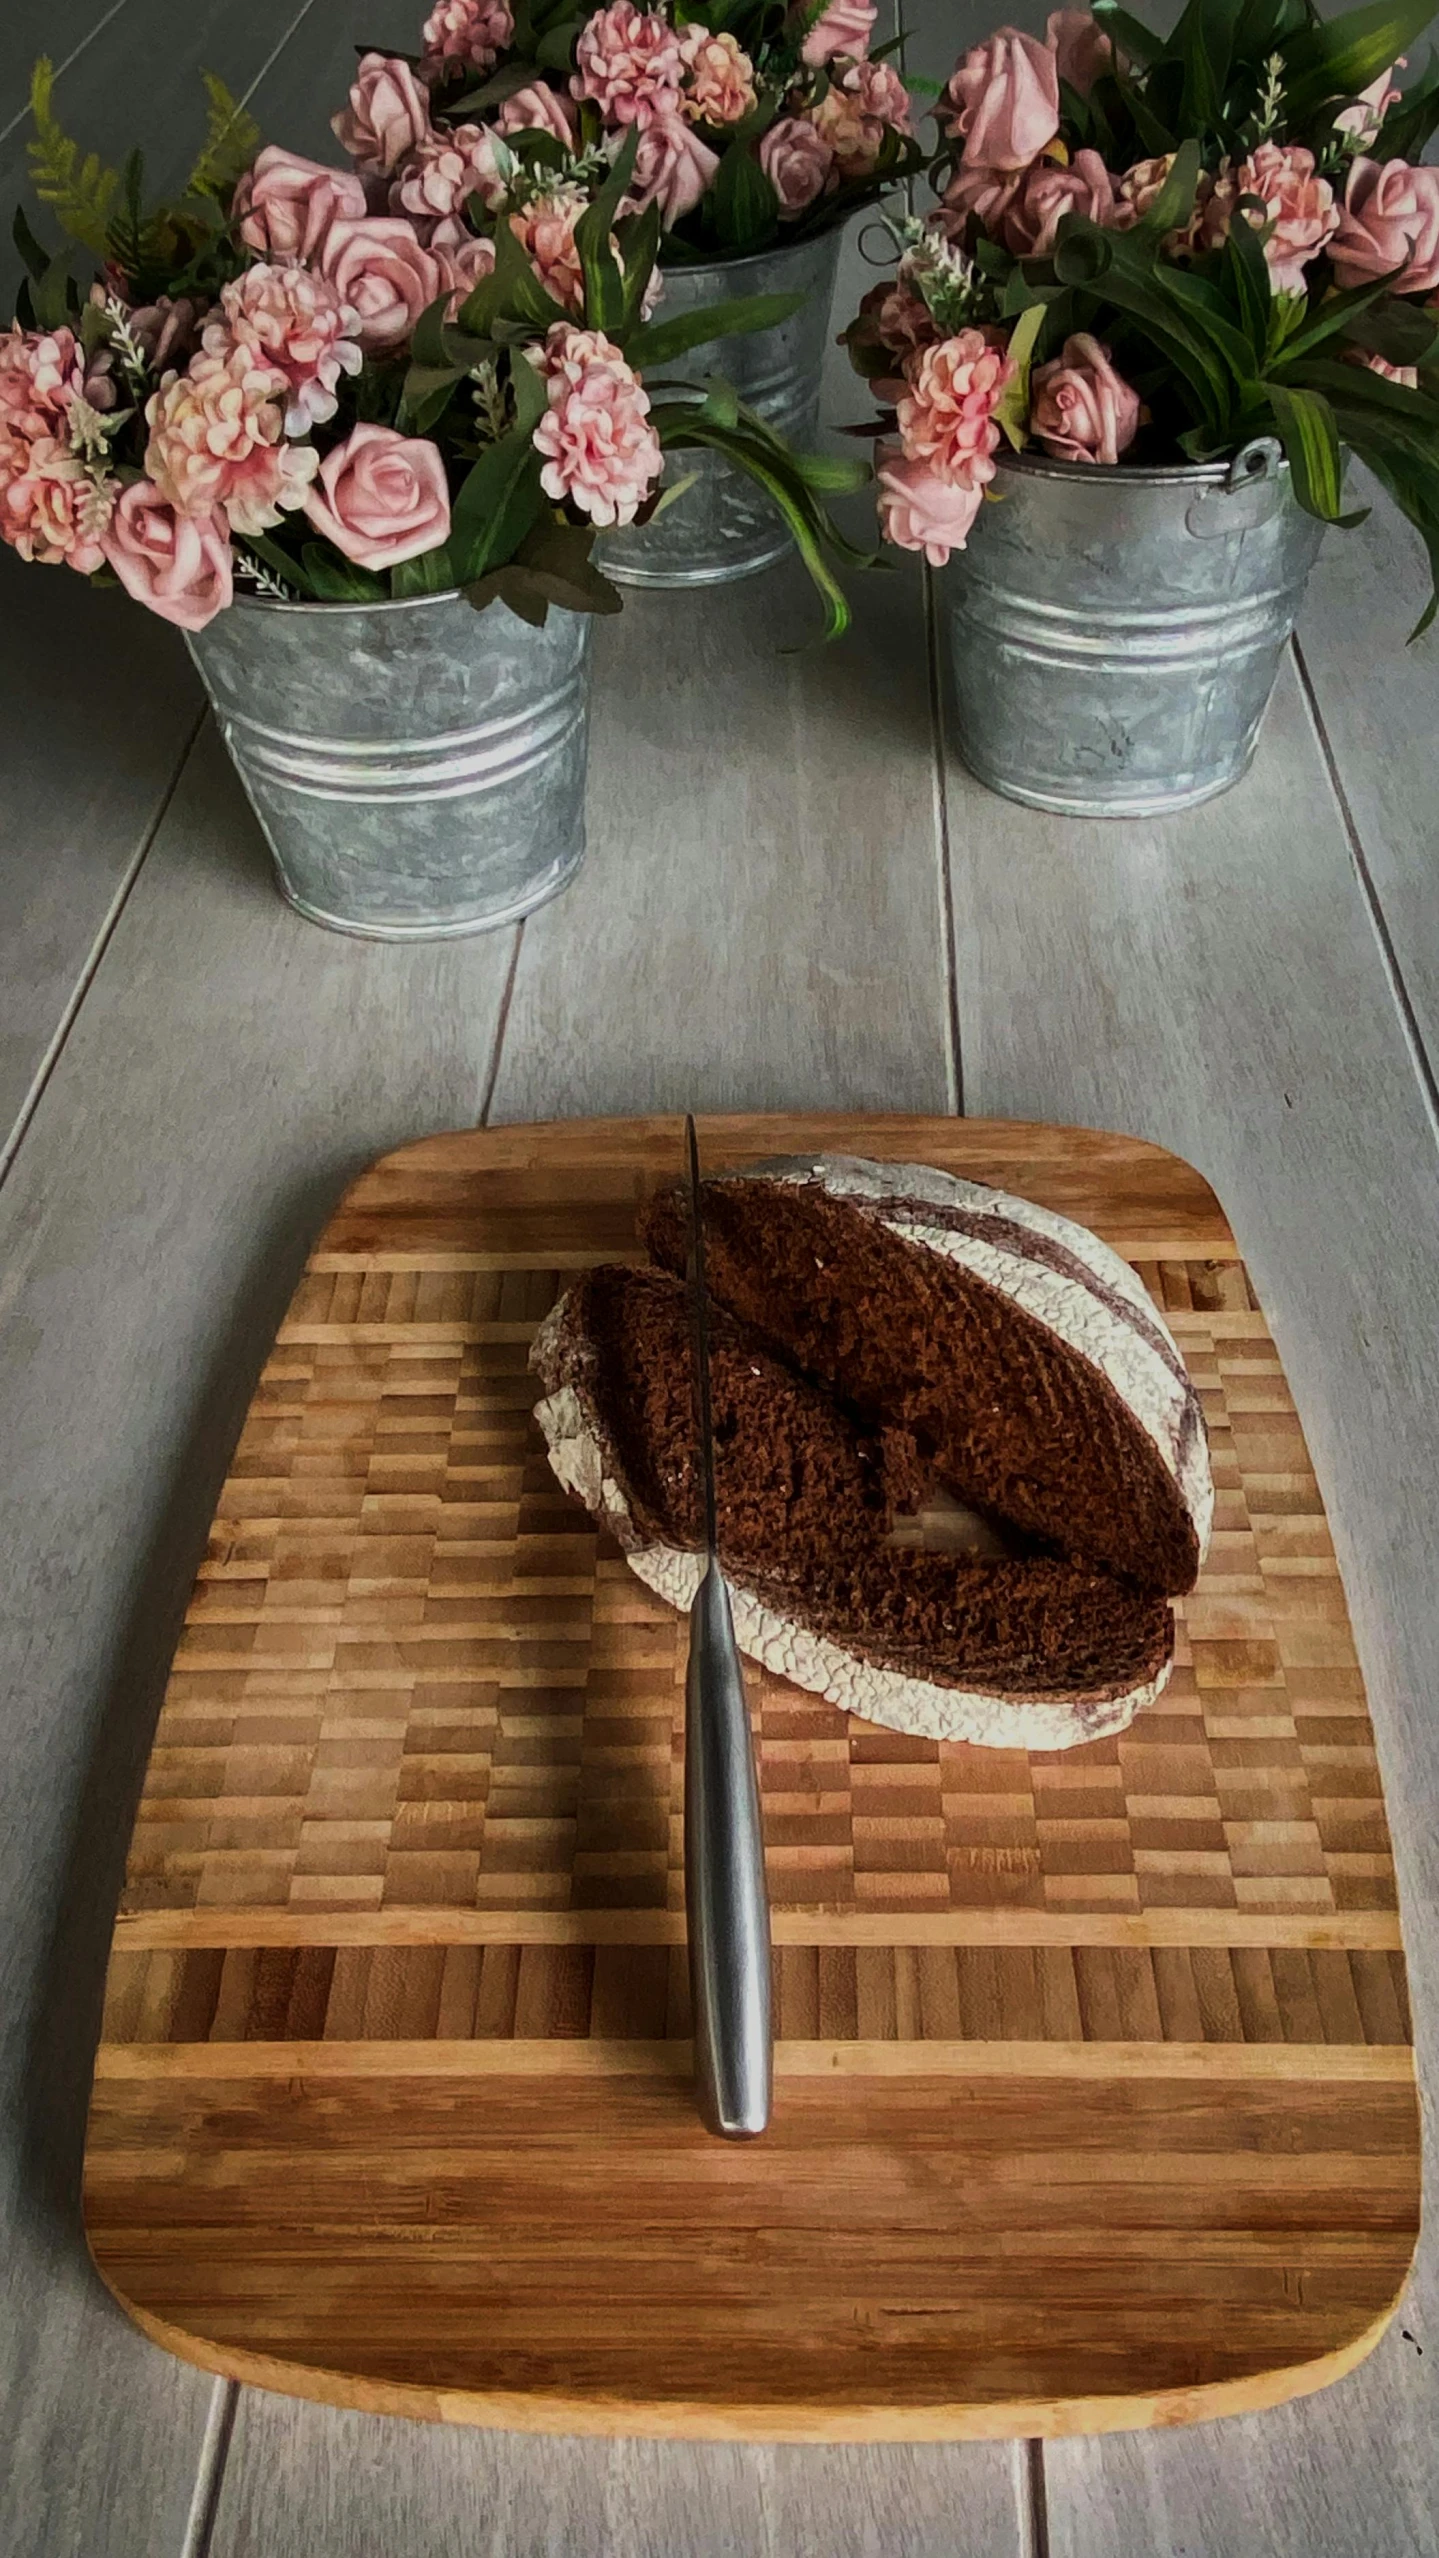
[(78, 188), (231, 140)]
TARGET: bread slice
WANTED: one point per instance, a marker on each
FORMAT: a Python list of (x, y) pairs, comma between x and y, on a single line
[(1014, 1642)]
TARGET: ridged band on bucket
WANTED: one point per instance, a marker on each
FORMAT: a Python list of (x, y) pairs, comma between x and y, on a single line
[(1115, 633), (725, 526), (418, 768)]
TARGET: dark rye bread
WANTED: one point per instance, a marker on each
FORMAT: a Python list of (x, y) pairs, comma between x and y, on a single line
[(852, 1292), (1023, 1646)]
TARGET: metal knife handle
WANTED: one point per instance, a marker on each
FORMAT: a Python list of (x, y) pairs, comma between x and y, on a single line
[(726, 1900)]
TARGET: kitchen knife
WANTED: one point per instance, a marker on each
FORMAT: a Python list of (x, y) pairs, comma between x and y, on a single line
[(726, 1898)]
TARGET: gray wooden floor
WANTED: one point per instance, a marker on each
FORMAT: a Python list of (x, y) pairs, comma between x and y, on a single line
[(794, 896)]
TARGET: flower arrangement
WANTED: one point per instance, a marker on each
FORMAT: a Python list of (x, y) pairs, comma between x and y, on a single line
[(435, 370), (758, 120), (1155, 249)]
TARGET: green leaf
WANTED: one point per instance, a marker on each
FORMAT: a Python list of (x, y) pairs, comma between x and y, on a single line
[(50, 293), (1332, 318), (556, 50), (1412, 485), (604, 279), (280, 563), (1340, 57), (742, 204), (660, 342), (1246, 272), (79, 189), (518, 290), (1310, 437), (527, 389), (639, 237), (340, 581), (1104, 263), (496, 506), (756, 450), (1130, 34), (232, 138), (427, 338), (36, 257), (431, 574), (1175, 202), (492, 92), (1355, 386), (1153, 130), (428, 391), (832, 474), (1011, 413), (1399, 331), (556, 562)]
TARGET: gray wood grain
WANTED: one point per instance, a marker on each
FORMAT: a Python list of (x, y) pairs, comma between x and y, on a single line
[(1213, 982), (1376, 699), (295, 2489), (59, 29), (230, 1068)]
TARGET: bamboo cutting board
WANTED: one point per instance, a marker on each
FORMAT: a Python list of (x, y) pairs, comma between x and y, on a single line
[(1094, 2091)]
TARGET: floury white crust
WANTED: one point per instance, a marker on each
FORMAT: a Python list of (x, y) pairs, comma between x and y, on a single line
[(1058, 1272)]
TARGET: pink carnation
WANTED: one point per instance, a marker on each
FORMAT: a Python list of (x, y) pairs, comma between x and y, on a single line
[(1080, 47), (1080, 408), (599, 449), (898, 319), (52, 509), (846, 26), (387, 118), (381, 497), (1138, 189), (946, 418), (471, 33), (672, 169), (381, 270), (719, 78), (217, 440), (1390, 220), (1047, 194), (799, 163), (538, 109), (178, 565), (920, 511), (437, 180), (285, 205), (1299, 205), (1406, 375), (545, 229), (984, 195), (859, 107), (295, 323), (41, 370), (630, 63), (1003, 98)]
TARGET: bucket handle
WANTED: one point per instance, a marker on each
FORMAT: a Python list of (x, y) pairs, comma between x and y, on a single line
[(1247, 496)]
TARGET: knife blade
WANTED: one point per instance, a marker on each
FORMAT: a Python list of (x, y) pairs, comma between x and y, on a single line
[(726, 1897)]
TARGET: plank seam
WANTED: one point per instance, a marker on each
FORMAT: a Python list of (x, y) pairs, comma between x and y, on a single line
[(210, 2471), (21, 113), (53, 1053), (954, 1048), (1032, 2497), (1374, 907), (502, 1023)]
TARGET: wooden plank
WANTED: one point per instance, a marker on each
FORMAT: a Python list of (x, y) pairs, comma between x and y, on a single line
[(1375, 700), (1189, 980), (230, 1067), (306, 2480), (59, 28)]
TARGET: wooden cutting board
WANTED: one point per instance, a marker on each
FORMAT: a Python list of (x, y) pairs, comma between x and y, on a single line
[(1094, 2093)]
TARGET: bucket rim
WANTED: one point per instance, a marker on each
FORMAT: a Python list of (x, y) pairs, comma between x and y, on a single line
[(1105, 475), (777, 250)]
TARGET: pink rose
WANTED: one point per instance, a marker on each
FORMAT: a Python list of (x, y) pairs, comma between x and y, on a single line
[(1003, 97), (672, 169), (1390, 219), (1081, 49), (179, 565), (919, 511), (387, 118), (846, 26), (860, 106), (896, 319), (463, 267), (1300, 207), (985, 195), (798, 162), (1047, 194), (1080, 408), (380, 269), (946, 418), (381, 498), (537, 109), (469, 33), (630, 63), (1371, 106), (600, 451), (719, 78), (285, 205)]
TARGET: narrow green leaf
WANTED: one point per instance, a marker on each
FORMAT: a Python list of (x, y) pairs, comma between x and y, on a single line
[(1339, 57), (280, 563), (742, 204), (1011, 414), (604, 280), (35, 257), (340, 581), (1131, 35), (661, 341), (1310, 437), (496, 506), (431, 574), (1175, 201)]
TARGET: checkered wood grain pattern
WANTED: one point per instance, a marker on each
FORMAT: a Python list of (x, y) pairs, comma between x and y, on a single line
[(1094, 2097), (413, 1676)]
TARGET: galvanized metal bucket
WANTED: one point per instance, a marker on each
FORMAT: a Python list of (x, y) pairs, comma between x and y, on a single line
[(1115, 633), (725, 527), (418, 768)]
